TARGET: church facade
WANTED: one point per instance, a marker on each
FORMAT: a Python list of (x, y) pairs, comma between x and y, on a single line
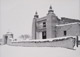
[(50, 26)]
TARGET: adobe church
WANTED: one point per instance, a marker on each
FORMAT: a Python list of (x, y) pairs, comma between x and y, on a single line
[(50, 26)]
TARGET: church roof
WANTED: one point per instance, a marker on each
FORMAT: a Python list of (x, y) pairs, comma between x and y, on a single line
[(42, 18), (64, 18), (68, 24)]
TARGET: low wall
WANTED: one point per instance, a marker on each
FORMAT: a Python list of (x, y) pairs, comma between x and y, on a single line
[(66, 43)]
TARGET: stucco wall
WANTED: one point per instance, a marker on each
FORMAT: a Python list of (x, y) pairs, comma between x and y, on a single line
[(79, 43), (0, 41), (71, 30), (33, 29), (66, 43)]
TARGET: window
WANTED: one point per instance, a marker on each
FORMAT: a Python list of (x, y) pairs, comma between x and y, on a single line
[(65, 33), (44, 24)]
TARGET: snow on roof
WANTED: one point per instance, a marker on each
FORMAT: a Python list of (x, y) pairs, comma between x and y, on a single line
[(64, 18), (68, 24)]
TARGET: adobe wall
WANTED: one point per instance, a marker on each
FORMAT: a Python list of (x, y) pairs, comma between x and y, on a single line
[(71, 30), (79, 43), (66, 43), (0, 41)]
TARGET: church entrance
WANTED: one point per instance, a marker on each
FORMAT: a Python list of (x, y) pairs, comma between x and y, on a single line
[(5, 39), (44, 35)]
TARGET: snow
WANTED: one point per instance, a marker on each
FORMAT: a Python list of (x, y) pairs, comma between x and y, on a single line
[(18, 51), (68, 24), (13, 51)]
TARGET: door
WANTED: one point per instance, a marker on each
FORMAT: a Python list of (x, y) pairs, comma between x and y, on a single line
[(5, 39), (44, 35)]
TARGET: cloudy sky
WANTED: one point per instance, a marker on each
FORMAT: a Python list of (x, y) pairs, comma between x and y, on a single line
[(16, 15)]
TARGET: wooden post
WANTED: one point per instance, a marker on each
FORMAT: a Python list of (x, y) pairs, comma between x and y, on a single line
[(77, 41)]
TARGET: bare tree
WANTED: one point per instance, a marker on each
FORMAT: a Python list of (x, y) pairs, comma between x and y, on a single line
[(25, 36)]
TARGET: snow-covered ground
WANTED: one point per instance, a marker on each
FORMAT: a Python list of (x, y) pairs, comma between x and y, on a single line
[(13, 51)]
